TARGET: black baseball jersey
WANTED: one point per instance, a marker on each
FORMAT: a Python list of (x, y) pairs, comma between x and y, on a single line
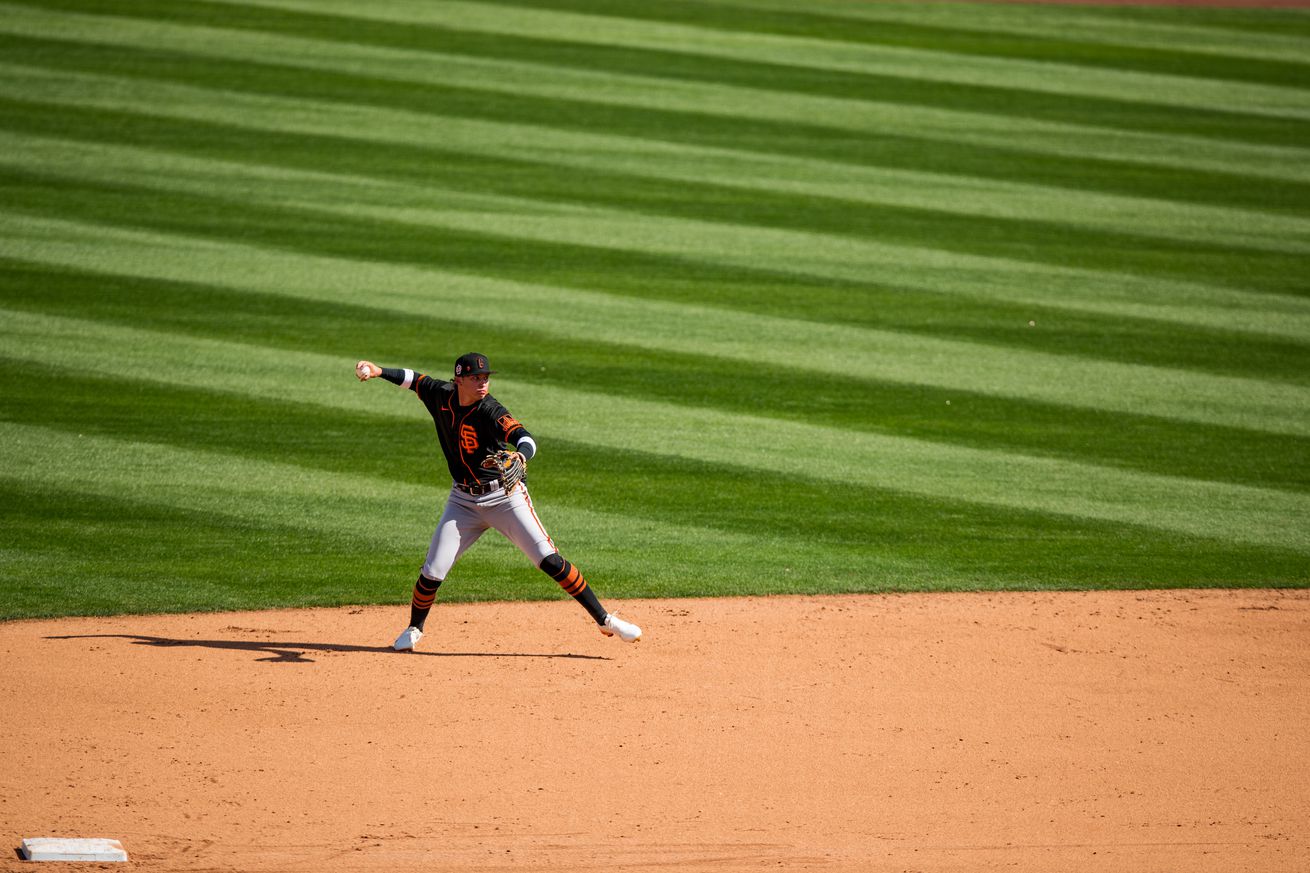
[(468, 434)]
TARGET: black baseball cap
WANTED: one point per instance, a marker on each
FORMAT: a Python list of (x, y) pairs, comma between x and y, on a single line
[(472, 364)]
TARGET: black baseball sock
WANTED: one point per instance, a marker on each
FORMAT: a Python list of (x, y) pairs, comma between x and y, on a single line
[(570, 579), (425, 593)]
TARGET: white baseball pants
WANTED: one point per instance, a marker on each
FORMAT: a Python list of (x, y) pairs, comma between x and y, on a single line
[(466, 518)]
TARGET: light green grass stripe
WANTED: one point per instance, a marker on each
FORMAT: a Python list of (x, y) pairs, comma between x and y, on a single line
[(807, 346), (832, 257), (811, 254), (821, 54), (1056, 23), (1230, 513), (910, 267), (385, 514), (959, 194), (514, 77), (359, 507)]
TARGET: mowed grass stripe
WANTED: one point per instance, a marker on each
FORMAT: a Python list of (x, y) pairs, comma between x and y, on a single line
[(681, 51), (1225, 512), (906, 266), (631, 101), (807, 347), (135, 557), (945, 195), (670, 280), (820, 536), (1068, 34), (838, 401), (424, 67), (1096, 506), (86, 554), (737, 251), (754, 53), (380, 513), (1244, 178), (641, 554), (1264, 21)]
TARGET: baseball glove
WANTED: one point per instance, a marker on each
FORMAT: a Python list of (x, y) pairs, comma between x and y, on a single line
[(510, 466)]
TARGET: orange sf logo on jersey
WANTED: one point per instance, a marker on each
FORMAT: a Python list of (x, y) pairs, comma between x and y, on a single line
[(468, 439)]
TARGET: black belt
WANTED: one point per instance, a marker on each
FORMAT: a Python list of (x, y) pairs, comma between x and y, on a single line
[(479, 489)]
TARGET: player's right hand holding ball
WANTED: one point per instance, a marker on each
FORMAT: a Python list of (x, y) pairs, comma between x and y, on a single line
[(366, 370)]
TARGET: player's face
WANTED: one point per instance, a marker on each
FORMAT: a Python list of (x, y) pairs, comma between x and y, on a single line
[(472, 388)]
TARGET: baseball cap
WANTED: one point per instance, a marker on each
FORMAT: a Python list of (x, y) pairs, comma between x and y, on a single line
[(471, 365)]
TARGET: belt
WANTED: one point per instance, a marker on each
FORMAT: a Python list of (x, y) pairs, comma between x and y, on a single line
[(479, 489)]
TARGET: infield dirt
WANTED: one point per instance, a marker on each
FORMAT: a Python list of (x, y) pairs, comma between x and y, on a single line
[(1145, 731)]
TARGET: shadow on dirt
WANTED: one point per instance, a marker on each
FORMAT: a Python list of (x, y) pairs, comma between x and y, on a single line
[(295, 653)]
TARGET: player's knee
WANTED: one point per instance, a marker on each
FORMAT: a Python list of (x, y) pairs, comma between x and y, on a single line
[(567, 575), (553, 565)]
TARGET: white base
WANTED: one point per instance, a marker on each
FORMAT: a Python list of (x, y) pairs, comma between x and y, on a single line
[(62, 849)]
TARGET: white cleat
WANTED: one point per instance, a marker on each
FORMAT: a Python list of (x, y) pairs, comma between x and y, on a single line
[(407, 640), (626, 630)]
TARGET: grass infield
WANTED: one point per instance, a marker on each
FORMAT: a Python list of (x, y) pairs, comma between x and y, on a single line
[(796, 297)]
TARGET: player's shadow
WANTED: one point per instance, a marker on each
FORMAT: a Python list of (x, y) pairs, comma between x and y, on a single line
[(294, 653)]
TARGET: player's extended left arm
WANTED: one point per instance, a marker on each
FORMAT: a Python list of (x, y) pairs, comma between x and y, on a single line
[(366, 370), (405, 378)]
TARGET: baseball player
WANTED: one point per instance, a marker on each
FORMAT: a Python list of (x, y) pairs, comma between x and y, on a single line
[(488, 490)]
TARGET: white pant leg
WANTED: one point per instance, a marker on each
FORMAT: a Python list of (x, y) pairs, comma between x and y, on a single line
[(516, 518), (460, 526)]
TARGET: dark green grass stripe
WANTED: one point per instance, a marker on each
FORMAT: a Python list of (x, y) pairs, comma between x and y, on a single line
[(678, 280), (316, 233), (1019, 240), (1139, 115), (810, 141), (303, 231), (1023, 548), (646, 555), (810, 23), (1131, 442), (225, 314), (1274, 22), (335, 440), (71, 553), (1010, 547), (630, 92), (312, 230), (1214, 510), (1033, 241), (839, 187)]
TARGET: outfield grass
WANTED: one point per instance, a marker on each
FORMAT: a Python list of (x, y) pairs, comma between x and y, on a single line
[(796, 297)]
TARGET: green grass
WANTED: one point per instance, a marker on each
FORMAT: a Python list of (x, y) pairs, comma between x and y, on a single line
[(796, 297)]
